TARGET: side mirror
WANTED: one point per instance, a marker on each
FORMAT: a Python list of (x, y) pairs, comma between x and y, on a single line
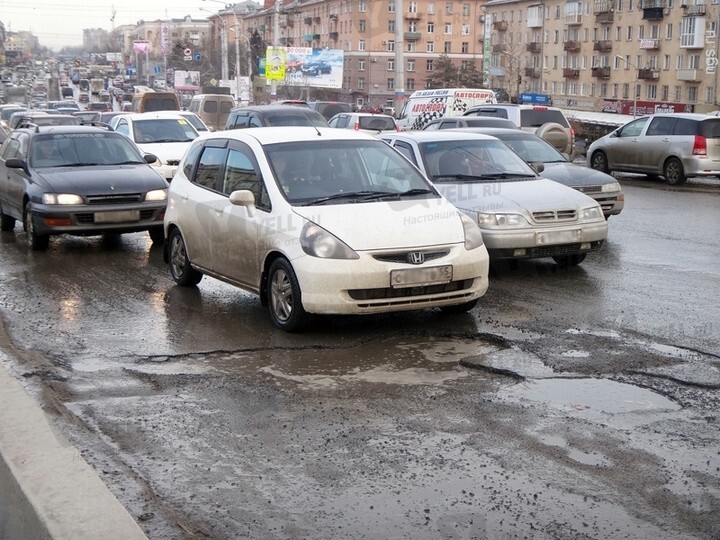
[(16, 163), (244, 197), (211, 129), (150, 158), (539, 166)]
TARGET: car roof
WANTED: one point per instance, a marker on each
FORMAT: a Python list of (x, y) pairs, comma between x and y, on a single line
[(441, 135), (153, 115), (271, 107), (282, 134), (499, 132), (688, 116), (68, 128)]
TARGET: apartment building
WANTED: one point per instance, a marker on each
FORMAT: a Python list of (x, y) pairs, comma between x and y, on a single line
[(608, 55), (365, 30)]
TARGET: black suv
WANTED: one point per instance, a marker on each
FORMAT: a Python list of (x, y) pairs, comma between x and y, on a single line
[(274, 115), (78, 180), (316, 67)]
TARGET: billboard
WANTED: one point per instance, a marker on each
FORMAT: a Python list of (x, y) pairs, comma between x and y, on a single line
[(305, 66), (186, 80)]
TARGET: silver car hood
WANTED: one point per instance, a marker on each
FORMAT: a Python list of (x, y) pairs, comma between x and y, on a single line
[(538, 195), (575, 175)]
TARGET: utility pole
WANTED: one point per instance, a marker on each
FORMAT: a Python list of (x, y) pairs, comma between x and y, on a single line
[(399, 57), (276, 37)]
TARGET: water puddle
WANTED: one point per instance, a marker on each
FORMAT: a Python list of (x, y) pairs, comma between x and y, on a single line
[(598, 400)]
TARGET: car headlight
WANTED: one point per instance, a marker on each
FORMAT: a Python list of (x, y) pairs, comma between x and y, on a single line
[(501, 221), (61, 198), (473, 235), (614, 186), (317, 242), (591, 214), (156, 195)]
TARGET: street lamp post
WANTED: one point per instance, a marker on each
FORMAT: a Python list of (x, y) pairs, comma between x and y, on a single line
[(637, 84), (223, 46)]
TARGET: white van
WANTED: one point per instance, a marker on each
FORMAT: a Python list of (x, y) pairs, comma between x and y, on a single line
[(426, 105)]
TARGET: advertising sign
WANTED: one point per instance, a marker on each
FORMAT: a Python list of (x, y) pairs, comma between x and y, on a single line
[(186, 80), (275, 58), (305, 66)]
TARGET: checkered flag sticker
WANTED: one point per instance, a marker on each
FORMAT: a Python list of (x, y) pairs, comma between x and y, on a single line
[(435, 108), (459, 106)]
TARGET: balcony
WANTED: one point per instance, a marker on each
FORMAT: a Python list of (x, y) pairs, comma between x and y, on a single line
[(651, 4), (498, 48), (689, 75), (605, 17), (649, 44), (570, 73), (648, 74), (573, 19), (413, 15), (532, 72), (603, 6), (497, 72), (603, 46), (334, 36), (653, 13), (316, 37), (287, 41), (261, 27), (500, 26), (571, 46), (534, 47), (412, 36), (697, 10), (333, 16), (308, 37), (601, 72)]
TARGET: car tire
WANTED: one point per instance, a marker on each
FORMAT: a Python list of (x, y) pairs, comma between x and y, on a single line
[(7, 223), (459, 308), (36, 242), (157, 235), (285, 297), (556, 135), (674, 172), (599, 162), (180, 269), (570, 260)]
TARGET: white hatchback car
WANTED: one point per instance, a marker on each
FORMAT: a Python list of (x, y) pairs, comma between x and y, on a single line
[(521, 215), (319, 220), (166, 134), (371, 123)]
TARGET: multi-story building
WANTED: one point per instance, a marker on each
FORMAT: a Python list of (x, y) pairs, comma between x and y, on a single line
[(608, 55), (365, 30), (162, 34)]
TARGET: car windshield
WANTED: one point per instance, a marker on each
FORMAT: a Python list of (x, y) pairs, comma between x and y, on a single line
[(82, 149), (163, 130), (195, 121), (473, 161), (533, 149), (343, 172)]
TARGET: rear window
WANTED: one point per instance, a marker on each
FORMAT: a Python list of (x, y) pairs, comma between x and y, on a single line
[(328, 110), (379, 123), (494, 113), (538, 117), (164, 104), (710, 128), (306, 118)]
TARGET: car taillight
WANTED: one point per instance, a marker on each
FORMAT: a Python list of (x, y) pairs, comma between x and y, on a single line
[(357, 126), (699, 146)]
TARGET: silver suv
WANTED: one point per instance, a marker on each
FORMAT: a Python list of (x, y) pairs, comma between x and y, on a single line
[(674, 145), (548, 123)]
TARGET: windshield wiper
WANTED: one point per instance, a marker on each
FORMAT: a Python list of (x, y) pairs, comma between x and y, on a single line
[(505, 175), (416, 191), (166, 140), (84, 164), (126, 163), (360, 195)]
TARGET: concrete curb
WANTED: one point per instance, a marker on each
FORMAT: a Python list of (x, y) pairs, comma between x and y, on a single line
[(47, 490)]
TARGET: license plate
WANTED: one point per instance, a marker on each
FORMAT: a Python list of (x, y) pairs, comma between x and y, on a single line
[(558, 237), (417, 277), (119, 216)]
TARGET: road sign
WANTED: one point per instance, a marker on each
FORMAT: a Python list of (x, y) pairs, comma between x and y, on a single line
[(197, 57), (187, 52), (187, 58)]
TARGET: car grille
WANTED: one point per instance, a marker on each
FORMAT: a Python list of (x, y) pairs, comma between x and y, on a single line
[(402, 257), (556, 251), (589, 189), (389, 293), (555, 215), (120, 198), (89, 217)]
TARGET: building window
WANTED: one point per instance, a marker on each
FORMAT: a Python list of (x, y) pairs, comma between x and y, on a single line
[(391, 26), (431, 27), (466, 10), (692, 94), (361, 45), (361, 65), (390, 84), (362, 8), (411, 46), (651, 91), (710, 94), (465, 47), (616, 88), (603, 89), (629, 33), (678, 93), (411, 65), (429, 65), (465, 29), (668, 31), (666, 62), (641, 31), (664, 92), (391, 65), (447, 47), (431, 8), (412, 7), (391, 6), (361, 83), (448, 28), (391, 45), (448, 8), (362, 24), (626, 91), (430, 46), (410, 84)]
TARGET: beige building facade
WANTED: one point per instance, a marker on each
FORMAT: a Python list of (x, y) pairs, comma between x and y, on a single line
[(616, 56)]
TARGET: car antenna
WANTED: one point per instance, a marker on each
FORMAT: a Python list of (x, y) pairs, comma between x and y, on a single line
[(312, 124)]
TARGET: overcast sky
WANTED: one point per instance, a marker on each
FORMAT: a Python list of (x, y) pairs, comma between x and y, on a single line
[(59, 23)]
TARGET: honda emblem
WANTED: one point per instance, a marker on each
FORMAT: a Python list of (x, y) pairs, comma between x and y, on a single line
[(416, 257)]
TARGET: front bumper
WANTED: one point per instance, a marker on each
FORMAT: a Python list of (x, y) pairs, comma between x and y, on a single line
[(545, 241), (96, 219), (362, 286)]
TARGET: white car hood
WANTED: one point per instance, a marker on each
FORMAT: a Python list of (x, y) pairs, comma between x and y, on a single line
[(166, 151), (389, 225), (528, 195)]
